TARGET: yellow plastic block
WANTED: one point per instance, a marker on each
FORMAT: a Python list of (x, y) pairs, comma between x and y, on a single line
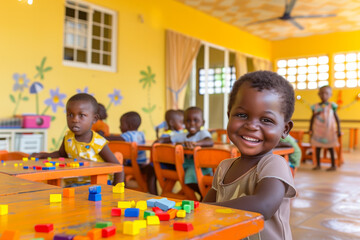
[(181, 214), (32, 158), (122, 184), (119, 188), (124, 204), (57, 164), (178, 204), (140, 223), (4, 209), (55, 198), (95, 234), (4, 164), (25, 159), (142, 205), (133, 203), (69, 192), (15, 164), (10, 235), (153, 220), (48, 164), (20, 164), (130, 228)]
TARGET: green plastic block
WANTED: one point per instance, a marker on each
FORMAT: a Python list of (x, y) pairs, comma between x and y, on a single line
[(148, 213), (103, 224), (178, 208), (188, 202), (187, 208)]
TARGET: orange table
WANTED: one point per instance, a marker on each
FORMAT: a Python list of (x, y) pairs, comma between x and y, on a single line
[(78, 216), (12, 185), (98, 171)]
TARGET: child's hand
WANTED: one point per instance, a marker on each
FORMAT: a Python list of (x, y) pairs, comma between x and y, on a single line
[(190, 144)]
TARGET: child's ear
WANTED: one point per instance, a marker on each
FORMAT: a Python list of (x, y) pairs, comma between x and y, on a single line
[(96, 117), (288, 126)]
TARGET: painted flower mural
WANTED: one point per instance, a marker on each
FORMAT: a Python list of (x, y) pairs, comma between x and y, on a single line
[(55, 100), (35, 88), (86, 90), (21, 82), (147, 80), (115, 98)]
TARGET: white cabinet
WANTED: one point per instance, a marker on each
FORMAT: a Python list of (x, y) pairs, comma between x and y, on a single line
[(23, 139)]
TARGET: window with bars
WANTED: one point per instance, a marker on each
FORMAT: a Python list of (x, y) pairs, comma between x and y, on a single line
[(89, 36), (305, 72), (347, 70), (217, 80)]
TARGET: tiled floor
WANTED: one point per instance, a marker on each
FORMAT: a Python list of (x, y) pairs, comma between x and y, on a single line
[(328, 203)]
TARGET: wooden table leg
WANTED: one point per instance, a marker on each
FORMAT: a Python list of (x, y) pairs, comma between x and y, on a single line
[(99, 179), (351, 140), (56, 182), (355, 137)]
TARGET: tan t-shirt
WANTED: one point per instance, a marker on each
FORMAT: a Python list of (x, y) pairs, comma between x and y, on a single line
[(270, 166)]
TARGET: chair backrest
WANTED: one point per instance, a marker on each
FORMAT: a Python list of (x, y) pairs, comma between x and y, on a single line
[(209, 158), (7, 156), (219, 135), (298, 135), (173, 155), (129, 151)]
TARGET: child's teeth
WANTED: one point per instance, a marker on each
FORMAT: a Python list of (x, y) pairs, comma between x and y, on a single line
[(251, 139)]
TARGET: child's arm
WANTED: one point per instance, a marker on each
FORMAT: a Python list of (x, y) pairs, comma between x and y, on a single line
[(114, 137), (311, 123), (163, 140), (60, 153), (206, 142), (210, 196), (266, 200), (337, 124), (108, 156)]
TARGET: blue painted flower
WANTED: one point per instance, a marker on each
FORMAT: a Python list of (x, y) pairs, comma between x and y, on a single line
[(115, 97), (36, 87), (21, 82), (86, 90), (55, 99)]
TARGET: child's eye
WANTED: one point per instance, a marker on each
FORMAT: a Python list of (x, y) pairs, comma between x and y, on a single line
[(241, 115), (267, 120)]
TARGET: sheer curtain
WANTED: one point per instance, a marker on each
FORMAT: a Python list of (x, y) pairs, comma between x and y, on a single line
[(241, 64), (181, 51), (262, 64)]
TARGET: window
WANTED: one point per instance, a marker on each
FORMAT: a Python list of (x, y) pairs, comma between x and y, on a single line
[(217, 80), (306, 72), (89, 36), (347, 70)]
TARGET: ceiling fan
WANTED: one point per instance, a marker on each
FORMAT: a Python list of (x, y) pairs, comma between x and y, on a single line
[(289, 6)]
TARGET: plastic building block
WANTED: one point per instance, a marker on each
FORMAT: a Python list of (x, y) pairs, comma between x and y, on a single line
[(81, 238), (196, 204), (133, 203), (94, 197), (178, 204), (25, 167), (103, 224), (181, 214), (44, 227), (57, 164), (151, 202), (183, 226), (63, 237), (61, 159), (37, 239), (130, 228), (140, 223), (55, 198), (48, 164), (172, 212), (49, 158), (132, 212), (95, 189), (10, 235), (148, 213), (153, 220), (164, 216), (94, 234), (141, 205), (108, 231), (157, 210), (38, 167), (81, 163), (32, 158), (119, 188), (62, 165), (178, 208), (116, 212), (187, 208), (188, 202), (25, 159), (124, 204), (164, 204), (16, 165), (69, 192)]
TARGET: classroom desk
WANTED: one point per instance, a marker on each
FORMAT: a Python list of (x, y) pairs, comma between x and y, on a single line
[(78, 216), (98, 171), (12, 185)]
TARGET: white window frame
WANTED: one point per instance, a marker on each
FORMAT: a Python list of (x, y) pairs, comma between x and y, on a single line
[(114, 23), (357, 70)]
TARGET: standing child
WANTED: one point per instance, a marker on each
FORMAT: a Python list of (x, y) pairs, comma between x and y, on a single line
[(175, 122), (194, 136), (100, 126), (80, 141), (260, 107), (325, 126)]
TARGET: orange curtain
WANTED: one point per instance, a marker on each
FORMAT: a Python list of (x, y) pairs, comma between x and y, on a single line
[(180, 54)]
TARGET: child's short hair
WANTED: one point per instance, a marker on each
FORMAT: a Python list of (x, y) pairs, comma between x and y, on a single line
[(169, 114), (102, 112), (194, 109), (132, 119), (86, 98), (325, 86), (270, 81)]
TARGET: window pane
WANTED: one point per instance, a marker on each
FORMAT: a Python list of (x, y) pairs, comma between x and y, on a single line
[(351, 66), (96, 31), (312, 85), (82, 28), (97, 17), (339, 67), (82, 42), (323, 68), (351, 57), (302, 70), (81, 56), (312, 69), (302, 62), (351, 75), (83, 15), (312, 77), (301, 85), (106, 59), (107, 33), (69, 26), (95, 44), (107, 46), (291, 71), (339, 58), (95, 57), (339, 75), (107, 19), (323, 76), (323, 60), (312, 61), (281, 63), (69, 54), (291, 78), (301, 78), (323, 83), (69, 39), (340, 83), (351, 83), (292, 63), (70, 12), (281, 71)]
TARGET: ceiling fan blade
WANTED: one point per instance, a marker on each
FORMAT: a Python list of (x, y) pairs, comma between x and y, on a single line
[(296, 24), (315, 16), (262, 21), (289, 6)]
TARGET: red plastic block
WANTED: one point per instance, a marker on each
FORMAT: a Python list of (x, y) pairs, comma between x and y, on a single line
[(38, 167), (10, 235), (86, 164), (44, 227), (163, 216), (157, 210), (182, 226), (196, 204), (116, 212), (108, 231), (62, 165)]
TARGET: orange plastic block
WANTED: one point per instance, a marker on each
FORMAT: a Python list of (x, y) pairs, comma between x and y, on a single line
[(172, 212), (95, 234), (81, 238), (69, 192), (10, 235)]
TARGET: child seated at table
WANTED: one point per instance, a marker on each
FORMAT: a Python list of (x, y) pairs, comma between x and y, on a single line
[(193, 119), (100, 126), (260, 108), (80, 141), (129, 126), (175, 122)]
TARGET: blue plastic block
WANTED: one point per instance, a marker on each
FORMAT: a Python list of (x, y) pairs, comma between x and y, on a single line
[(36, 159), (151, 202), (132, 212), (52, 168), (45, 168), (164, 204), (109, 182), (34, 167), (25, 167), (53, 162), (75, 159), (95, 189), (2, 161), (81, 164), (63, 237), (94, 197)]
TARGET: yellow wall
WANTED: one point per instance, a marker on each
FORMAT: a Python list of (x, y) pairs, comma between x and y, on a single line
[(29, 33)]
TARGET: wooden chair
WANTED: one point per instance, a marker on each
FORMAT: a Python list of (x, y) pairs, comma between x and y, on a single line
[(339, 160), (299, 136), (8, 156), (219, 135), (209, 158), (130, 151), (174, 155)]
